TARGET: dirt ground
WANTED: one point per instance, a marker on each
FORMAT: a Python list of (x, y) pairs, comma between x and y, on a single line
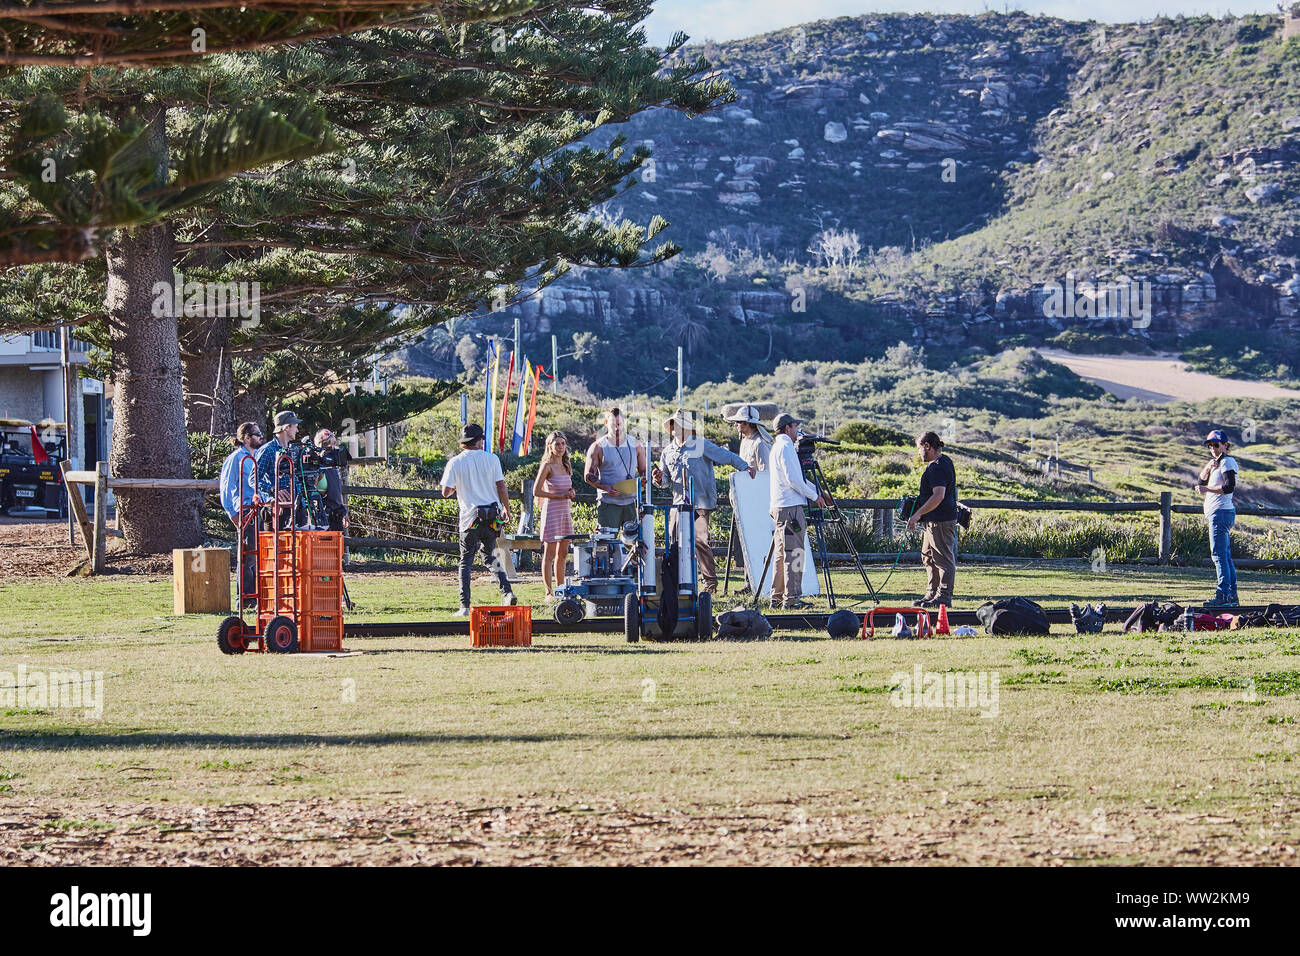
[(532, 831), (39, 549), (1161, 378)]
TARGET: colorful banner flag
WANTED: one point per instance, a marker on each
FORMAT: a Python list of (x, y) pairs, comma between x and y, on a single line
[(517, 437), (532, 411), (489, 388), (505, 402)]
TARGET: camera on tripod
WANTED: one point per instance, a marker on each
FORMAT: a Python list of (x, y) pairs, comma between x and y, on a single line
[(323, 484)]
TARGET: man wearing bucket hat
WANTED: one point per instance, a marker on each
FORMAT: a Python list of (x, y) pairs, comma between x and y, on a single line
[(688, 456), (289, 496), (755, 442), (1218, 481), (790, 492)]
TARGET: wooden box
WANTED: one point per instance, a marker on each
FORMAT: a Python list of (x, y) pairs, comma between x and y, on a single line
[(201, 581)]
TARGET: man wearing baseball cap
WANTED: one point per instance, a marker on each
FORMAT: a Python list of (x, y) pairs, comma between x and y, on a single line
[(474, 477), (790, 492), (1218, 481), (291, 497)]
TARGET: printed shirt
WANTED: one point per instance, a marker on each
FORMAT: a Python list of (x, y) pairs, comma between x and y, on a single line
[(1218, 473), (237, 470), (696, 459), (266, 468), (473, 474), (789, 487)]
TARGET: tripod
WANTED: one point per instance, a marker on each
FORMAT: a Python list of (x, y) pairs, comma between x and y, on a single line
[(821, 520)]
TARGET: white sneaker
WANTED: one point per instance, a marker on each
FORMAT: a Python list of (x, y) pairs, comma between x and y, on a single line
[(463, 612), (511, 599)]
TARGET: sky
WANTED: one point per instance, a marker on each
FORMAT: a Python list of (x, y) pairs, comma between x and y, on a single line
[(732, 19)]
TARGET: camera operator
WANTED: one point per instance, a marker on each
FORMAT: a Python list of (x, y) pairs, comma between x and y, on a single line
[(291, 497), (236, 487), (937, 504), (790, 492), (332, 458)]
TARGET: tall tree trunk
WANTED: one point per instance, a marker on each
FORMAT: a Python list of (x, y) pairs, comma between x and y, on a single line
[(250, 406), (206, 377), (149, 404)]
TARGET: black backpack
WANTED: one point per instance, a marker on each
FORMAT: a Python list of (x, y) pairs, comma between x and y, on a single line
[(1282, 616), (1149, 616), (1018, 616), (1088, 620)]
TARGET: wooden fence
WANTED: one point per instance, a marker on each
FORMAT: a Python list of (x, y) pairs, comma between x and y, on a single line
[(94, 528)]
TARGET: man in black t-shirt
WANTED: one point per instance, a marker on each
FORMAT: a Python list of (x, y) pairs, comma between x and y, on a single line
[(936, 508)]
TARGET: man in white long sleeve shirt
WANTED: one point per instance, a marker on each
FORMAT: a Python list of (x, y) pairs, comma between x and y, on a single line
[(790, 493)]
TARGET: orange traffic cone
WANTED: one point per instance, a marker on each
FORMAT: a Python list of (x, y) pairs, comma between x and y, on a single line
[(942, 626)]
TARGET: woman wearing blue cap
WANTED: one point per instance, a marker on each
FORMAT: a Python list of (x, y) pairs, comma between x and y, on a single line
[(1218, 482)]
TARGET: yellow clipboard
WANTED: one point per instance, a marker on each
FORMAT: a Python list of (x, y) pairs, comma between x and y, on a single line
[(627, 487)]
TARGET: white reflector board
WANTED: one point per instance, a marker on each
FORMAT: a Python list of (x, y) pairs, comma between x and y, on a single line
[(749, 499)]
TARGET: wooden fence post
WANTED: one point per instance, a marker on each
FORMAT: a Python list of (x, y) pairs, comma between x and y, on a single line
[(527, 523), (77, 505), (101, 515), (887, 523), (1166, 526)]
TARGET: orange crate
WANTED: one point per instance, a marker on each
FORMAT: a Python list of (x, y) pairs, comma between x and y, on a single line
[(321, 632), (501, 626)]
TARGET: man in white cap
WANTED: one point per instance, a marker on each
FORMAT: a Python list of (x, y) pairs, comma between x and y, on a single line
[(688, 456), (755, 442), (790, 493)]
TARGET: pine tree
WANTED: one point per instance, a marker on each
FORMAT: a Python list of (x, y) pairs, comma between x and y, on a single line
[(454, 184), (81, 176)]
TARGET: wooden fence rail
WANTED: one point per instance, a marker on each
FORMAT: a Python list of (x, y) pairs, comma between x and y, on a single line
[(94, 527)]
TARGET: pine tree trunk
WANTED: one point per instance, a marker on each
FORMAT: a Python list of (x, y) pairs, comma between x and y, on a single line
[(206, 376), (148, 404), (250, 406)]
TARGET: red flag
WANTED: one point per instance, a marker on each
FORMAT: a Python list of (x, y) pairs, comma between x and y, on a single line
[(532, 412), (505, 400), (38, 450)]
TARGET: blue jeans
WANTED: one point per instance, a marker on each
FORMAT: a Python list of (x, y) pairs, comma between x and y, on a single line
[(1221, 523)]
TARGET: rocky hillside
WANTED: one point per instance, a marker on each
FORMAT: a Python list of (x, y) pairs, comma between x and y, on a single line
[(958, 166)]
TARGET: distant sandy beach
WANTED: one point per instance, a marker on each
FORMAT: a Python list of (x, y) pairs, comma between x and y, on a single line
[(1161, 378)]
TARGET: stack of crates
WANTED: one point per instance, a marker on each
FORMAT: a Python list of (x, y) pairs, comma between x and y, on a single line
[(320, 585)]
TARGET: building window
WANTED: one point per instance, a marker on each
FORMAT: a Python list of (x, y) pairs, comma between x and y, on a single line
[(49, 339)]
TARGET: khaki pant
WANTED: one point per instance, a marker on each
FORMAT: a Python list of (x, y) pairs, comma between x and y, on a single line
[(706, 566), (939, 556), (788, 554)]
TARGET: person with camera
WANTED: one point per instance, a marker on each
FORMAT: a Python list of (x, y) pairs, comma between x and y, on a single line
[(475, 479), (328, 457), (289, 495), (689, 459), (936, 508), (1218, 482), (237, 487), (790, 493)]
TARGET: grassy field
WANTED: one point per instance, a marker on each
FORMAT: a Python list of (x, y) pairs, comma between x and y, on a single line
[(1106, 748)]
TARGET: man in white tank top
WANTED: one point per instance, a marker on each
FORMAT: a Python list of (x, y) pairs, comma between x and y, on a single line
[(615, 458)]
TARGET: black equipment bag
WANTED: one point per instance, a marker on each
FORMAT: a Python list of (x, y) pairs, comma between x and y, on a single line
[(489, 516), (963, 516), (743, 624), (1018, 616), (668, 609), (1142, 619), (906, 505), (1283, 616), (1088, 620)]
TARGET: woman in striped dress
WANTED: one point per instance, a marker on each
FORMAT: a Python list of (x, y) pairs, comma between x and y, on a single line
[(554, 486)]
